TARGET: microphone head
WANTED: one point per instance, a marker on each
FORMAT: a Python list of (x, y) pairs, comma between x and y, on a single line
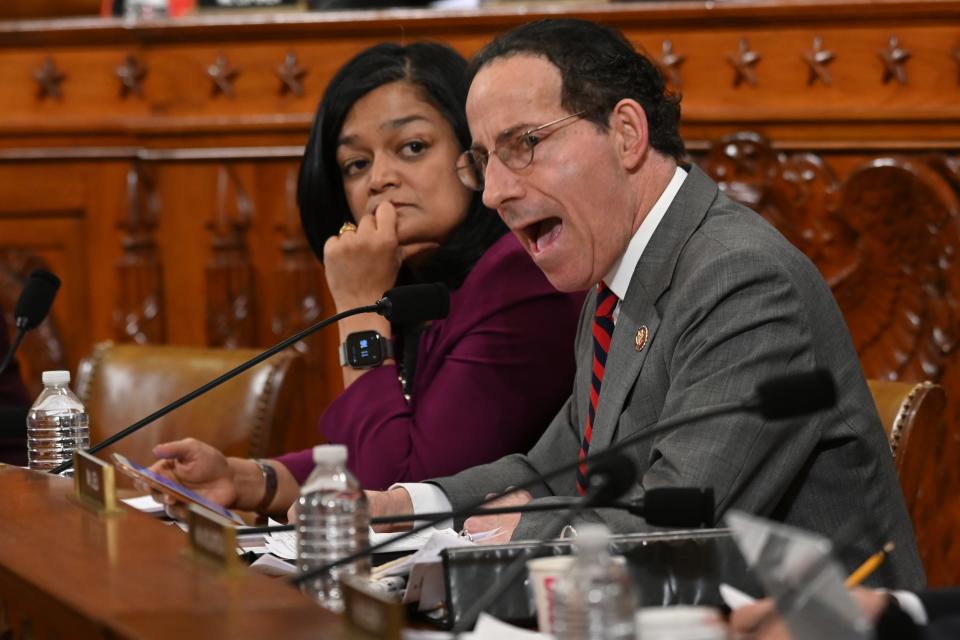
[(617, 473), (678, 507), (796, 394), (415, 303), (35, 300)]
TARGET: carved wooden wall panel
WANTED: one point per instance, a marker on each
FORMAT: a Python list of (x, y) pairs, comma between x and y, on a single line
[(206, 118), (139, 313)]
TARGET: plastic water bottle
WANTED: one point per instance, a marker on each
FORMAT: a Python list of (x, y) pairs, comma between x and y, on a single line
[(332, 523), (596, 598), (56, 424)]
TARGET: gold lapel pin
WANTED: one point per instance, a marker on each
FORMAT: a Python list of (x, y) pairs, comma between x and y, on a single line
[(641, 339)]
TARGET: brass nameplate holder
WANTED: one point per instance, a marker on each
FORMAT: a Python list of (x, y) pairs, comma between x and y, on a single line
[(212, 536), (370, 611), (94, 483)]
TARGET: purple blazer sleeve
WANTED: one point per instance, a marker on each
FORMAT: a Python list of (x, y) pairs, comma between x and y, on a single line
[(489, 379)]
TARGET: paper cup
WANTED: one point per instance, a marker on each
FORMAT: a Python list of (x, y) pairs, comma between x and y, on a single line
[(680, 623), (544, 574)]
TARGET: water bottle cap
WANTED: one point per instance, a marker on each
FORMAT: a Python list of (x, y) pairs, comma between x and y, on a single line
[(56, 377), (330, 454)]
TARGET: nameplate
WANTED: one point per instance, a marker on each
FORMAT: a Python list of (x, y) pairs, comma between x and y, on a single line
[(212, 536), (370, 611), (94, 483)]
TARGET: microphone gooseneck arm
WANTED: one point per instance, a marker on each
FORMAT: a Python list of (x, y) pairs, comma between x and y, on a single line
[(592, 458), (21, 331), (373, 308), (753, 404)]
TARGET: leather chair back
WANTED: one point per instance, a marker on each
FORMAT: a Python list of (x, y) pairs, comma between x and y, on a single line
[(921, 441), (246, 416)]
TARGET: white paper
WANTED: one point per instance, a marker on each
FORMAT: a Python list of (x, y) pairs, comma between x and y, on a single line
[(145, 504), (733, 597), (439, 540), (273, 566), (491, 628)]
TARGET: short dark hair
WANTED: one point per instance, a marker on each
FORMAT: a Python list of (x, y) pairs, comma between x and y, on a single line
[(439, 73), (599, 67)]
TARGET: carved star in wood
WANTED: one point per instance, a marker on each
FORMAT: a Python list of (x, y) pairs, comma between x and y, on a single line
[(49, 79), (291, 74), (894, 59), (222, 73), (671, 61), (817, 60), (743, 63), (131, 74)]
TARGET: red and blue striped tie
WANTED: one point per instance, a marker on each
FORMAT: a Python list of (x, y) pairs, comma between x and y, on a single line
[(602, 331)]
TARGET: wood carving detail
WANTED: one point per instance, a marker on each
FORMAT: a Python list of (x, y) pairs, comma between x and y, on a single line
[(131, 74), (222, 74), (229, 274), (894, 59), (671, 61), (884, 239), (818, 59), (291, 75), (743, 62), (139, 314), (298, 278), (49, 78)]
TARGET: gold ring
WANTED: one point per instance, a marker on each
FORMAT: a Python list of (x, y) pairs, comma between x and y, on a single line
[(347, 226)]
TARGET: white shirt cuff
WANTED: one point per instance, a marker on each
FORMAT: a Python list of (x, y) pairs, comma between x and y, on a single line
[(427, 498), (911, 605)]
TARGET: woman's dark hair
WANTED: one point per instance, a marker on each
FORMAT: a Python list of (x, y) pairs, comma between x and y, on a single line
[(598, 67), (440, 74)]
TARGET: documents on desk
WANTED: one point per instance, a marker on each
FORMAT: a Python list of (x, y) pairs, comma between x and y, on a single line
[(423, 568)]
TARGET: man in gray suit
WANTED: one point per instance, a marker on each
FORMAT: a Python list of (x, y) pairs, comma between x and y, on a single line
[(695, 301)]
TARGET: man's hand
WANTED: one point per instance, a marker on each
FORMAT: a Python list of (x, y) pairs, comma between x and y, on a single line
[(506, 523), (197, 466), (394, 502), (758, 620)]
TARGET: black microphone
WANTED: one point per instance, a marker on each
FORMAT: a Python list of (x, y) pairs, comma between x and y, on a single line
[(814, 386), (797, 394), (32, 307), (413, 303), (677, 507)]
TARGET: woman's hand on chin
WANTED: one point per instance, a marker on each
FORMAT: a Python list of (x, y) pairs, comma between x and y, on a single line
[(360, 265)]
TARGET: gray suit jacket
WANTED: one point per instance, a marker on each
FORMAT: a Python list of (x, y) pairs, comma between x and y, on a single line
[(727, 303)]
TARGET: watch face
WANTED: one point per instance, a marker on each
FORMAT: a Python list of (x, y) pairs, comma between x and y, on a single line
[(363, 349)]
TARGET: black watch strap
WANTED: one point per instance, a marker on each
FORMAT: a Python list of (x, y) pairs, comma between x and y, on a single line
[(269, 484)]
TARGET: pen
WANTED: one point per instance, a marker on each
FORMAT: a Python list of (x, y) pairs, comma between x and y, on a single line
[(869, 566)]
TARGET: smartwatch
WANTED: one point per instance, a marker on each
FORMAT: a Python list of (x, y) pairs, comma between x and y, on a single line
[(365, 350)]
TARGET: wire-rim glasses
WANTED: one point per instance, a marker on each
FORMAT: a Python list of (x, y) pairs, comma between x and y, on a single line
[(514, 151)]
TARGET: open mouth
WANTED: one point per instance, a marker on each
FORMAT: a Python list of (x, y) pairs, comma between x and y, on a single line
[(541, 235)]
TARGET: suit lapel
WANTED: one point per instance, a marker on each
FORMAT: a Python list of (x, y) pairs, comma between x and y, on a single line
[(650, 280)]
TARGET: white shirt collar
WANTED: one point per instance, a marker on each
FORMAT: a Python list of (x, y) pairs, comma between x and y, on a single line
[(619, 276)]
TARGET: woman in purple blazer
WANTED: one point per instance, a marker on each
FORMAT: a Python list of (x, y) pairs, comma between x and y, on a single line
[(381, 205)]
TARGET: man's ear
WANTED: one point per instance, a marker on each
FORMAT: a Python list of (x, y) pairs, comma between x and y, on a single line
[(628, 123)]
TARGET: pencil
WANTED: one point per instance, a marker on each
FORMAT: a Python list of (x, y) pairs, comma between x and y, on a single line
[(869, 566)]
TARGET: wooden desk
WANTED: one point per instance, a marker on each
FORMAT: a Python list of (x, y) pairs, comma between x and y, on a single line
[(66, 572)]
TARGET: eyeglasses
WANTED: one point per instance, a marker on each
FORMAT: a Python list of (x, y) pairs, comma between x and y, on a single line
[(515, 151)]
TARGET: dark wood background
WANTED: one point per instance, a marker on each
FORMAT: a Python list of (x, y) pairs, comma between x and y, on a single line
[(152, 166)]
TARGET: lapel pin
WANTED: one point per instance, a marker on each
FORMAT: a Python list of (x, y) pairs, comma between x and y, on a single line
[(641, 339)]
